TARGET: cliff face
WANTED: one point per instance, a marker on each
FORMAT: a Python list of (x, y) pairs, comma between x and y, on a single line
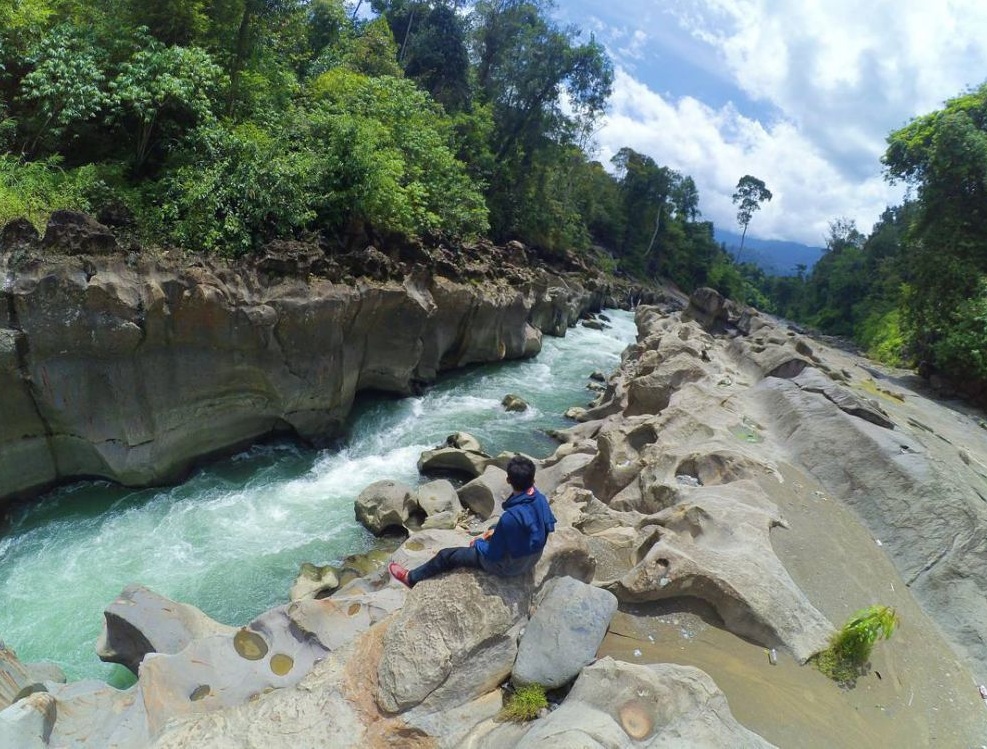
[(129, 368)]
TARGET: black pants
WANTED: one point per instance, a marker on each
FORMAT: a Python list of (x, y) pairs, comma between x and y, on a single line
[(445, 560)]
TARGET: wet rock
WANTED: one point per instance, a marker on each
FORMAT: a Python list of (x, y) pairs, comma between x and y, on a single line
[(513, 402), (464, 441)]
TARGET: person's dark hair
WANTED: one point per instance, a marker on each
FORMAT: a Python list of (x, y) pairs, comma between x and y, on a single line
[(520, 473)]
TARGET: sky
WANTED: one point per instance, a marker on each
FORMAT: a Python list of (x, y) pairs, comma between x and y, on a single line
[(799, 93)]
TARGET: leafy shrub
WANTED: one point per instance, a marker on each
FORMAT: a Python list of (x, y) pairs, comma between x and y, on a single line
[(525, 703), (239, 185), (962, 349), (881, 335), (34, 189), (850, 648)]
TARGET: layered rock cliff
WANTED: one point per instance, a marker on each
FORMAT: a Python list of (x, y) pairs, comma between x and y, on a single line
[(130, 366)]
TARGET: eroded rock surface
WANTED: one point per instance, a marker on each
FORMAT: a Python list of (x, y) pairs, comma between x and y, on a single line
[(132, 367)]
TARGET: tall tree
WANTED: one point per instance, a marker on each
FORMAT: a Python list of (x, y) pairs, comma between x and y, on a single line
[(750, 193), (944, 155)]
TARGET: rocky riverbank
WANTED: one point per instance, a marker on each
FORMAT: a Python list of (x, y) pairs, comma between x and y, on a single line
[(734, 478), (131, 365)]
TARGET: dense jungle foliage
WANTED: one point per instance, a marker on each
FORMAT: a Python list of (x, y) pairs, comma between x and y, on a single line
[(913, 291), (217, 126)]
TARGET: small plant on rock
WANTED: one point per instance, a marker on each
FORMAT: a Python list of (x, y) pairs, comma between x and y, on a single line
[(850, 648), (525, 703)]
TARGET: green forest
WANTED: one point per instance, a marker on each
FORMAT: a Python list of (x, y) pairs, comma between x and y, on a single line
[(215, 127), (218, 126), (914, 291)]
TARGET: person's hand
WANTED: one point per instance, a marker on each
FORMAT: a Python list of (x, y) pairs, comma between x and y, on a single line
[(485, 535)]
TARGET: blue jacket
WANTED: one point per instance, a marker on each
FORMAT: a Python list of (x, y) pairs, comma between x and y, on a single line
[(519, 536)]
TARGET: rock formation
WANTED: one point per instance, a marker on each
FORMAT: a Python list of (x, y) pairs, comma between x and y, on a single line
[(132, 366)]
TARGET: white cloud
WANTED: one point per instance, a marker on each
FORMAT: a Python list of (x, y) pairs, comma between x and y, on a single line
[(840, 74), (718, 146)]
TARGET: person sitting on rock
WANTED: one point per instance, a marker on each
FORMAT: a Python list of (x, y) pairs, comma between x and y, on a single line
[(512, 547)]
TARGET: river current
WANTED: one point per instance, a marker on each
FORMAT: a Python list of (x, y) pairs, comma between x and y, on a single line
[(230, 540)]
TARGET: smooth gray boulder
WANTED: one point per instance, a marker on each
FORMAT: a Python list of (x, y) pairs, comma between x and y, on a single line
[(141, 621), (564, 633), (438, 497), (454, 460), (485, 494), (383, 505)]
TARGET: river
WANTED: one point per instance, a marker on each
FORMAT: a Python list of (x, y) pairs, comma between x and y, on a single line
[(230, 540)]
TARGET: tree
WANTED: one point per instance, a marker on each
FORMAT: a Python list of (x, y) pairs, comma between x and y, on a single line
[(544, 88), (750, 193), (944, 155), (67, 84), (163, 86)]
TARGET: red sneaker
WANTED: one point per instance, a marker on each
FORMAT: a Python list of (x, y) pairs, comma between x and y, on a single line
[(399, 573)]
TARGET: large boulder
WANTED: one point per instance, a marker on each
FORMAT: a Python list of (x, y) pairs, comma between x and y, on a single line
[(485, 494), (454, 640), (568, 625), (76, 233), (140, 621), (384, 505), (438, 497), (453, 460)]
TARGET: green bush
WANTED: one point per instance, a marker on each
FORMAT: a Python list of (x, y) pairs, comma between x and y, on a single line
[(850, 647), (525, 703), (962, 349), (881, 335), (240, 185), (34, 189)]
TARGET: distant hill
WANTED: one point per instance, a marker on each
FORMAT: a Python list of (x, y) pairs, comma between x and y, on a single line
[(775, 257)]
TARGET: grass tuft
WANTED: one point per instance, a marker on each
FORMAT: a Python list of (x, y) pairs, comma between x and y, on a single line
[(850, 648), (525, 704)]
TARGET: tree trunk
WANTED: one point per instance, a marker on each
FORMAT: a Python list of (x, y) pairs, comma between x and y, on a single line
[(239, 56)]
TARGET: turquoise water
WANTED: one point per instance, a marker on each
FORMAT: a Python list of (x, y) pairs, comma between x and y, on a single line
[(230, 540)]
